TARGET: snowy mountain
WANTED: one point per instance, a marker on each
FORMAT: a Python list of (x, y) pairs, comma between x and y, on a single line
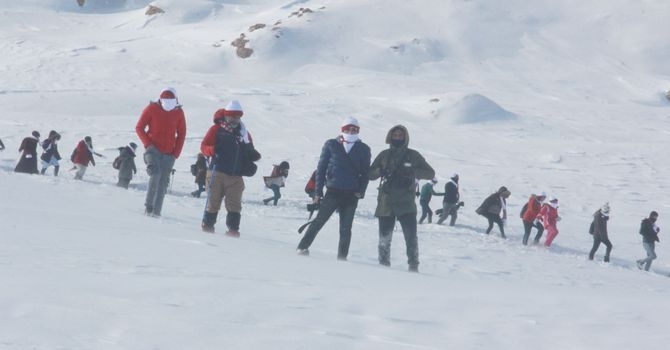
[(564, 97)]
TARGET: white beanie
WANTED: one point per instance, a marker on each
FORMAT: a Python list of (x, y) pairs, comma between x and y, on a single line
[(350, 121), (170, 90), (234, 105)]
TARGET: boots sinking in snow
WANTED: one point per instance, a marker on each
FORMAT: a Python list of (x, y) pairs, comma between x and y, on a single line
[(233, 223), (208, 221)]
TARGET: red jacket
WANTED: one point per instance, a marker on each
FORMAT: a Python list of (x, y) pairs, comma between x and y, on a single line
[(83, 155), (166, 130), (532, 209), (548, 215)]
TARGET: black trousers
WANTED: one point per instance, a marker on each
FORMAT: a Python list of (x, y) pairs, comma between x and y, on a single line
[(494, 218), (596, 244), (346, 202), (408, 224), (527, 226)]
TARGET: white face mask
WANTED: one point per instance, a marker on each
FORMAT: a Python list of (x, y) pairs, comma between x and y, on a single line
[(168, 104), (350, 138)]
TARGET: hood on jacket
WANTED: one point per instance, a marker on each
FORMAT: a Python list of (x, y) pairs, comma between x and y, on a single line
[(388, 135)]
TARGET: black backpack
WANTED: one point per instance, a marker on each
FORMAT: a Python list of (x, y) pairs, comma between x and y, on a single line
[(116, 164), (194, 169)]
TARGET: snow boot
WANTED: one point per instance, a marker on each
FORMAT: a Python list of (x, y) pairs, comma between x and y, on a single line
[(56, 168), (208, 221), (233, 224), (303, 252)]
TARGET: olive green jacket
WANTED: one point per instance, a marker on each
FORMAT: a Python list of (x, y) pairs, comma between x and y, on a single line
[(398, 168)]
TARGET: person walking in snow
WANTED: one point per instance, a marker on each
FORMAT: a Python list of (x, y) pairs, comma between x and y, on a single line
[(28, 161), (493, 207), (82, 156), (451, 203), (599, 231), (162, 130), (199, 170), (51, 155), (230, 146), (649, 231), (550, 218), (343, 170), (126, 164), (398, 166), (529, 213), (275, 181), (426, 194)]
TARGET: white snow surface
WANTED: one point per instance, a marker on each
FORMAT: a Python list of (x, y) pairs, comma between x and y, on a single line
[(565, 97)]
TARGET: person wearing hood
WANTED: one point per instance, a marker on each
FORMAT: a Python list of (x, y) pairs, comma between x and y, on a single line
[(82, 156), (450, 203), (649, 231), (51, 155), (275, 181), (599, 232), (343, 170), (549, 217), (162, 130), (398, 166), (28, 161), (425, 195), (528, 215), (230, 147), (126, 164), (494, 209)]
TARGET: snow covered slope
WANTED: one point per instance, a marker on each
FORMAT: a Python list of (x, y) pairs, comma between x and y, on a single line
[(563, 97)]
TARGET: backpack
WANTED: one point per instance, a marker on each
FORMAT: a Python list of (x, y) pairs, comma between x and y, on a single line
[(194, 169), (523, 210), (116, 164)]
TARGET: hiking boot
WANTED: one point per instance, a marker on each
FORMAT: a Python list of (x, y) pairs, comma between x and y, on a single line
[(303, 252), (640, 264), (413, 268), (607, 259), (233, 233), (207, 228)]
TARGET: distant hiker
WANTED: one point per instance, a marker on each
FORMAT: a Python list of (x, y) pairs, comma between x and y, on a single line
[(599, 232), (426, 194), (529, 213), (199, 170), (397, 167), (2, 145), (549, 217), (82, 156), (28, 161), (343, 170), (51, 155), (649, 231), (451, 202), (162, 130), (230, 146), (310, 187), (126, 164), (493, 207), (275, 181)]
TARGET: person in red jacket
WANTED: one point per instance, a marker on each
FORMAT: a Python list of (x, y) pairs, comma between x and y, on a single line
[(162, 130), (82, 156), (528, 215), (549, 217), (230, 146)]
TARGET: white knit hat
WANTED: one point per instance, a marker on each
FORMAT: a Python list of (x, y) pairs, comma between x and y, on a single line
[(350, 121)]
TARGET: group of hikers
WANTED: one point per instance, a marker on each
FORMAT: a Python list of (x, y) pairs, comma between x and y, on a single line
[(345, 167)]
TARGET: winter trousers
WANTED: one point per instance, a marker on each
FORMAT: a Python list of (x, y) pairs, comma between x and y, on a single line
[(408, 224), (495, 218), (224, 187), (527, 227), (552, 232), (159, 167), (276, 194), (425, 212), (596, 244), (53, 161), (81, 170), (346, 202), (650, 247), (449, 209)]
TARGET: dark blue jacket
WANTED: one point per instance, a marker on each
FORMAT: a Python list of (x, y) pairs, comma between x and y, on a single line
[(339, 170), (451, 193), (231, 153)]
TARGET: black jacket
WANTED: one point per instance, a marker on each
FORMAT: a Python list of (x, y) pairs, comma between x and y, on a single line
[(343, 171), (50, 149), (648, 232), (600, 225), (451, 194)]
